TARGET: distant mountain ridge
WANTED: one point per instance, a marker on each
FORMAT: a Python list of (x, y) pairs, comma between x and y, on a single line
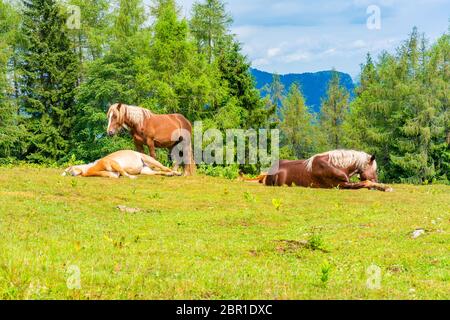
[(313, 85)]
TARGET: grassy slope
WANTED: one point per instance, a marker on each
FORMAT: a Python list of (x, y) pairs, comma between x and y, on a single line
[(210, 238)]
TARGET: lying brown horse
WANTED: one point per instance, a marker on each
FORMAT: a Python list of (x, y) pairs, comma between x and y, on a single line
[(155, 131), (332, 169)]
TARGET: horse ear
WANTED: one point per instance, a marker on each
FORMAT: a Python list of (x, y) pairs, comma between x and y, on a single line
[(119, 106), (373, 158)]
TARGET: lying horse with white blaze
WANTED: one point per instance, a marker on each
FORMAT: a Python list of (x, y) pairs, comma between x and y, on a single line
[(156, 131), (332, 169), (124, 163)]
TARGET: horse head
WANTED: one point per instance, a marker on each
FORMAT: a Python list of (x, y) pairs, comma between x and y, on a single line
[(369, 173), (115, 119), (75, 171)]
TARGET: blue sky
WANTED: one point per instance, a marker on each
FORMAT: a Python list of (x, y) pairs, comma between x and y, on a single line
[(294, 36)]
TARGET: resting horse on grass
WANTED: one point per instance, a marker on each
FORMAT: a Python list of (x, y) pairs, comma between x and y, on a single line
[(124, 163), (332, 169), (155, 131)]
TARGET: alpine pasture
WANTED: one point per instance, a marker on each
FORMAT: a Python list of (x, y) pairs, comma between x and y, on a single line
[(210, 238)]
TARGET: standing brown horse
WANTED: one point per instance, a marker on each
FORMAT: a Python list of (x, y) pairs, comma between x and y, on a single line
[(332, 169), (155, 131)]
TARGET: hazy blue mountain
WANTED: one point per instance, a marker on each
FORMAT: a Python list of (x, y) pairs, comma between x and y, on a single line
[(314, 85)]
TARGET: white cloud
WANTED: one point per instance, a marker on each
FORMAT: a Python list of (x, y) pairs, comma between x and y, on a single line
[(358, 44), (296, 57), (273, 52)]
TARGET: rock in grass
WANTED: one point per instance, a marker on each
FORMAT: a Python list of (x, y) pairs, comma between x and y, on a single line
[(417, 233), (125, 209)]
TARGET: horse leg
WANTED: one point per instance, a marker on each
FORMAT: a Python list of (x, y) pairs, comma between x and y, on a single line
[(149, 172), (151, 163), (151, 148), (331, 177), (117, 168), (102, 174), (355, 186), (138, 143), (328, 176), (378, 186), (100, 170), (366, 185)]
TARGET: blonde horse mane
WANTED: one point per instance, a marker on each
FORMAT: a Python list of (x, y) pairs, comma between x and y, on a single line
[(135, 115), (343, 159)]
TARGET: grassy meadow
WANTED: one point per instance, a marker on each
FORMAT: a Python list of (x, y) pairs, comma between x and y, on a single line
[(209, 238)]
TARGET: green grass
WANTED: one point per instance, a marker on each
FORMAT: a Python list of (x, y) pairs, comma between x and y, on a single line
[(209, 238)]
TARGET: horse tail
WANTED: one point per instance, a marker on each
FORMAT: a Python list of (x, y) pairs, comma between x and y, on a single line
[(260, 179), (191, 167)]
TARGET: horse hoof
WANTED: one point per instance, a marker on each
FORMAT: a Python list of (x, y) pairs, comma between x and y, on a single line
[(389, 190)]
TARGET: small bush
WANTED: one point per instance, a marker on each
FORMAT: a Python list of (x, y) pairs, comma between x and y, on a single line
[(315, 242), (325, 269), (228, 172), (277, 203)]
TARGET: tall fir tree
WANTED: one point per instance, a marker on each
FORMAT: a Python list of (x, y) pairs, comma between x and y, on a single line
[(299, 133), (275, 90), (92, 35), (172, 76), (235, 75), (439, 66), (334, 112), (234, 91), (275, 93), (12, 133), (49, 70), (210, 24)]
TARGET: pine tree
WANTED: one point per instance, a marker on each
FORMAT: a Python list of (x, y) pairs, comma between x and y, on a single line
[(235, 75), (275, 93), (275, 90), (297, 124), (49, 75), (11, 131), (439, 66), (172, 76), (129, 18), (334, 112), (210, 24), (95, 25)]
